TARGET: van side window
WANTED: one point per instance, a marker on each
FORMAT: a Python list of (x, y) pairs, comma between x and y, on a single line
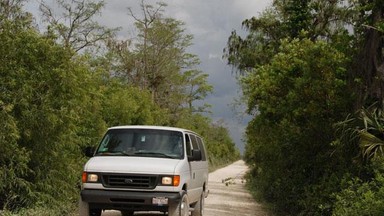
[(202, 148), (197, 143), (188, 145), (194, 142)]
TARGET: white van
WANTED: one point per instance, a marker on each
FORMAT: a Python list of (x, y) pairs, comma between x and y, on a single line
[(146, 168)]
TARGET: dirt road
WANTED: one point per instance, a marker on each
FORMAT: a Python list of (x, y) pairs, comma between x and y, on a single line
[(227, 195)]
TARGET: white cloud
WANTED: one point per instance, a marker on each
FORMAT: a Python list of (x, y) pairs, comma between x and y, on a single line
[(214, 56)]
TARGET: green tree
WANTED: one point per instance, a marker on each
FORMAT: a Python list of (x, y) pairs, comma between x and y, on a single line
[(196, 89), (44, 92), (368, 68), (298, 96), (283, 136), (15, 188), (157, 61), (12, 12), (313, 19), (75, 28), (129, 106)]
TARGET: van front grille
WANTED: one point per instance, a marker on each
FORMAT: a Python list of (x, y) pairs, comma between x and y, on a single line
[(130, 181)]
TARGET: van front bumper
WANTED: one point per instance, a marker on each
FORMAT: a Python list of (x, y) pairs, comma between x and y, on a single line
[(128, 200)]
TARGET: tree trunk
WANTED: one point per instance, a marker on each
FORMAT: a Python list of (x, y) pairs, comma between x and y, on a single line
[(370, 62)]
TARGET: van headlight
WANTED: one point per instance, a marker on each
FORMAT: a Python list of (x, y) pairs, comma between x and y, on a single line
[(170, 180), (90, 178)]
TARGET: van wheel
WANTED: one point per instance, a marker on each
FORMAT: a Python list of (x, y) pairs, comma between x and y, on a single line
[(181, 208), (94, 212), (84, 209), (199, 206), (127, 213)]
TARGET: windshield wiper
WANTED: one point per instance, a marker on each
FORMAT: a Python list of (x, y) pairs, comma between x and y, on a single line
[(114, 153), (153, 153)]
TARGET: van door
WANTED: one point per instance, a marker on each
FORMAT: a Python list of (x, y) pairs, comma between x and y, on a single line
[(193, 191), (203, 164), (198, 172)]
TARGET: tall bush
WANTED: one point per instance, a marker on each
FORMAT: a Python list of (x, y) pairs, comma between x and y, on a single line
[(298, 97)]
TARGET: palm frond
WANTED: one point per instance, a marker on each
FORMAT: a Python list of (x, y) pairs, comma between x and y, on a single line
[(371, 145)]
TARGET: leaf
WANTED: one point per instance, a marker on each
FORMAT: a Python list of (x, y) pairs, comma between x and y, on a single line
[(371, 145)]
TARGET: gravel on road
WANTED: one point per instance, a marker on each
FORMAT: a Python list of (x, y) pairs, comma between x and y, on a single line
[(228, 195)]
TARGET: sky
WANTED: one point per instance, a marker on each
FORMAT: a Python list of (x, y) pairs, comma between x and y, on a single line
[(211, 23)]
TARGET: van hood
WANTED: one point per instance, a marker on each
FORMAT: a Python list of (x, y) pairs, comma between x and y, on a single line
[(129, 164)]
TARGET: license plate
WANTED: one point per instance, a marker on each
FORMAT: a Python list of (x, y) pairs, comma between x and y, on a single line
[(160, 201)]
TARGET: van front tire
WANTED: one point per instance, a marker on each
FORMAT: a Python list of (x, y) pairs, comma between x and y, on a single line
[(94, 212), (181, 208), (127, 213)]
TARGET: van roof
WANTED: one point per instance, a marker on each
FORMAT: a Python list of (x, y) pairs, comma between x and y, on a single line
[(152, 127)]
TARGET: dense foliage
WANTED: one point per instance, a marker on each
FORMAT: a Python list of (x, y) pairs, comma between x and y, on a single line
[(307, 70), (56, 98)]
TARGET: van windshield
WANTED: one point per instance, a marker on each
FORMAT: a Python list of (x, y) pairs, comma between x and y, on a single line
[(142, 143)]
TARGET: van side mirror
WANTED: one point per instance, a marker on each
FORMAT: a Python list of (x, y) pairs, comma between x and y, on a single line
[(196, 155), (89, 151)]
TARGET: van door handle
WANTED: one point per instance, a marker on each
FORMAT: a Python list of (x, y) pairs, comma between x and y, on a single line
[(193, 175)]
